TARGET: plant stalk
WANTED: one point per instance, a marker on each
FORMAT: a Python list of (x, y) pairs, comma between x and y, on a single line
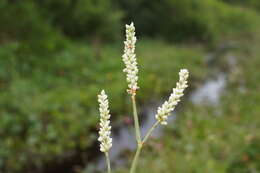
[(136, 122), (140, 146), (135, 161), (108, 162), (150, 131), (138, 136)]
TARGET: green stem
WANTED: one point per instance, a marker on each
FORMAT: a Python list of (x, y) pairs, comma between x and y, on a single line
[(138, 136), (108, 162), (150, 132), (140, 145), (136, 121), (135, 161)]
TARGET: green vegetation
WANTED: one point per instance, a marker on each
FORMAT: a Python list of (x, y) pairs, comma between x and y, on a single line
[(56, 55), (191, 20), (249, 3)]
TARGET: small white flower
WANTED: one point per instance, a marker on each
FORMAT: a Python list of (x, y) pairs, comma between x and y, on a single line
[(168, 106), (129, 59), (105, 128)]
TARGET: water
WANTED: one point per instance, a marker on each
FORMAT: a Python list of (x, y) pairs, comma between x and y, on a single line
[(210, 92)]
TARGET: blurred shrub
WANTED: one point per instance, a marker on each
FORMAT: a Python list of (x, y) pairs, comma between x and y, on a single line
[(42, 22), (248, 3), (41, 25), (184, 20), (21, 21), (83, 18), (43, 117)]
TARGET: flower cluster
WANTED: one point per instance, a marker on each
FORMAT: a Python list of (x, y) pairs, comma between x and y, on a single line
[(129, 59), (105, 128), (168, 106)]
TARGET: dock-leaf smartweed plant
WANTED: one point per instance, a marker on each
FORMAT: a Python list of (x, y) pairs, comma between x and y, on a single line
[(131, 70)]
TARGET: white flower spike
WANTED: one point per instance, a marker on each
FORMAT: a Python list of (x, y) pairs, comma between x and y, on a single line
[(105, 128), (129, 59), (168, 106)]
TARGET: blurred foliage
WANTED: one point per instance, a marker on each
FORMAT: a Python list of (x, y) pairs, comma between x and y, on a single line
[(88, 18), (248, 3), (187, 19), (22, 21), (44, 22), (56, 55)]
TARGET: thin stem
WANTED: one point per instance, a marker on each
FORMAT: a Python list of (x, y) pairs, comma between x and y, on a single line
[(108, 162), (136, 121), (138, 136), (135, 161), (150, 131), (140, 145)]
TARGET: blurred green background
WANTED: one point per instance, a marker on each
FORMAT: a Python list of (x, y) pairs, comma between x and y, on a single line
[(57, 55)]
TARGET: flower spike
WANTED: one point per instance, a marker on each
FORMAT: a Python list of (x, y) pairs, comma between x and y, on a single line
[(168, 106), (105, 128), (129, 59)]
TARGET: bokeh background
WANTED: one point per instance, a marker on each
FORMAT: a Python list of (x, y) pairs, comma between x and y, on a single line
[(57, 55)]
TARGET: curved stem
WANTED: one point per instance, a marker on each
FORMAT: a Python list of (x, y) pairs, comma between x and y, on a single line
[(150, 131), (136, 121), (108, 162)]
